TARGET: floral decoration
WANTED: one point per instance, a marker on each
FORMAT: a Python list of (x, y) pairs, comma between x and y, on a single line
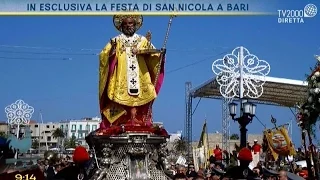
[(310, 109)]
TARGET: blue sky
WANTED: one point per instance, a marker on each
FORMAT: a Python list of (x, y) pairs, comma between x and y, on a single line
[(63, 85)]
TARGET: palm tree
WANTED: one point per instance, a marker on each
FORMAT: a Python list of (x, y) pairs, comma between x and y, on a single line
[(180, 145), (58, 133), (71, 143), (35, 144)]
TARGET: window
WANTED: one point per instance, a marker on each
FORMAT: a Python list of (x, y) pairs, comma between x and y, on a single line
[(80, 127), (53, 127), (61, 127), (94, 127), (73, 127), (80, 135), (36, 125), (48, 126), (88, 127), (48, 138)]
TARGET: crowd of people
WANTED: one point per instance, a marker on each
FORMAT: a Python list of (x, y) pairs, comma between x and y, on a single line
[(218, 167), (51, 168), (238, 165)]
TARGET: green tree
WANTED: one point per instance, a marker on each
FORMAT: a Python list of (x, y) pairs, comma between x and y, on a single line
[(71, 143), (35, 144), (3, 134), (234, 137), (58, 133), (180, 145)]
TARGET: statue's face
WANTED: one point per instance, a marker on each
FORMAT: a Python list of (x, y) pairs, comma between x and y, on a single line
[(128, 26)]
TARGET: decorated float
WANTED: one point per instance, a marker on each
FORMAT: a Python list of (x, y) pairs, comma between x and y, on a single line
[(128, 146)]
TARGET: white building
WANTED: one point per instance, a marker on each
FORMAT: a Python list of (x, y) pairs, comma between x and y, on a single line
[(80, 128), (175, 136), (43, 132)]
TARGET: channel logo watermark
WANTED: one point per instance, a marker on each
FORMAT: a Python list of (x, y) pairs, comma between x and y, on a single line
[(287, 16)]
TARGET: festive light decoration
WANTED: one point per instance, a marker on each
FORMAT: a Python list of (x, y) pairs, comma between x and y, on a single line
[(241, 74), (19, 113)]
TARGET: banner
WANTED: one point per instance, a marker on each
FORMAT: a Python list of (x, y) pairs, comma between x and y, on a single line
[(204, 142), (150, 7), (279, 142), (198, 158)]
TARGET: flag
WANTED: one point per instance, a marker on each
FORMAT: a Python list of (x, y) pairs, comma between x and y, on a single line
[(279, 142), (204, 142)]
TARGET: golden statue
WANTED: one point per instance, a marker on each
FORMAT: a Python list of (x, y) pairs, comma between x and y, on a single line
[(130, 75)]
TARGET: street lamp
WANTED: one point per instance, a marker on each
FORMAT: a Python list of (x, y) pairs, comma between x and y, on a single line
[(247, 112)]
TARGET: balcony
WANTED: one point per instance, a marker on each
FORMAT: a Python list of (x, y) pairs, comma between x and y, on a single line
[(82, 131)]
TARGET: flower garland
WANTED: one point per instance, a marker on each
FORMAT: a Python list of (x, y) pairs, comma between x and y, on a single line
[(310, 110)]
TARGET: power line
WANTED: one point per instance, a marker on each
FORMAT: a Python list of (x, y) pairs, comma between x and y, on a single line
[(49, 53), (96, 50), (196, 62), (47, 48), (37, 59)]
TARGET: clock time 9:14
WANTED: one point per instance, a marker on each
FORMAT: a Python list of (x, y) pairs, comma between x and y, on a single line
[(25, 177)]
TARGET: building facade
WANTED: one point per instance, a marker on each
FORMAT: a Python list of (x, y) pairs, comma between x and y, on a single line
[(80, 128), (4, 128), (43, 132)]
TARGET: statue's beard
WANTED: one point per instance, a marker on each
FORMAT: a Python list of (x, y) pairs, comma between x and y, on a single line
[(129, 31)]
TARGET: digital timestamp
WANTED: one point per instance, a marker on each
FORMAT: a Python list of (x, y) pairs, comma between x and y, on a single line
[(25, 177)]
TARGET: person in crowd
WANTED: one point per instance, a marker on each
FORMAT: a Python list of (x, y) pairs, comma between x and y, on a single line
[(283, 175), (256, 171), (242, 171), (180, 177), (217, 153), (248, 145), (191, 173), (303, 173), (200, 175), (212, 159), (300, 155), (256, 147), (78, 171)]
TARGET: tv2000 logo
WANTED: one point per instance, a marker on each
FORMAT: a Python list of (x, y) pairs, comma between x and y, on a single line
[(297, 16)]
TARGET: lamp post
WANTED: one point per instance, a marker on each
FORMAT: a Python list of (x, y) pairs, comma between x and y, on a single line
[(247, 112)]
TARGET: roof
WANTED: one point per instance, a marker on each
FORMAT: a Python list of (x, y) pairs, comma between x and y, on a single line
[(32, 122), (276, 91)]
